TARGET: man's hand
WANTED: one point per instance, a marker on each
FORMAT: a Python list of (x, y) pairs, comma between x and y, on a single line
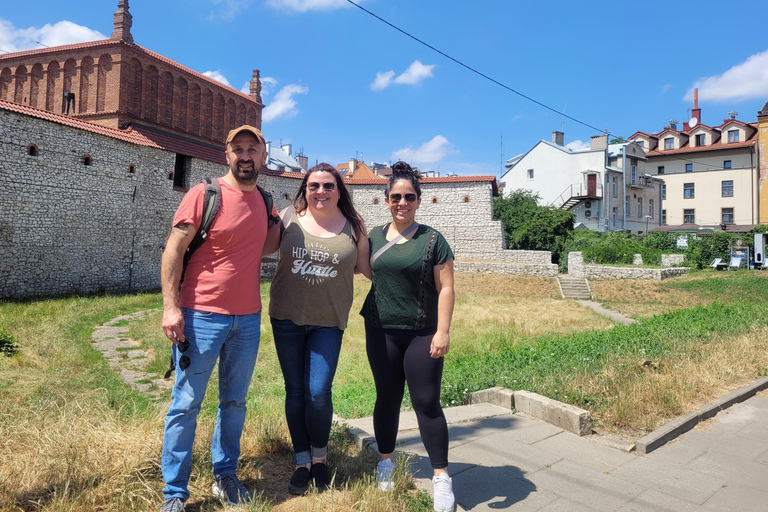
[(173, 324)]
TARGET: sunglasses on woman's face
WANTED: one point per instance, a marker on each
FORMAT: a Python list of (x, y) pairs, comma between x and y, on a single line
[(395, 198), (314, 186)]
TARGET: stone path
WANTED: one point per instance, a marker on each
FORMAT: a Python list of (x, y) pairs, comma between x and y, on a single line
[(618, 317), (124, 355)]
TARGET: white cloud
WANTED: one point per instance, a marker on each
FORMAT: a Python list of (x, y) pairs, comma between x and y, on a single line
[(267, 85), (415, 73), (14, 39), (246, 88), (745, 81), (666, 88), (429, 152), (382, 80), (228, 9), (216, 75), (308, 5), (283, 105), (578, 144)]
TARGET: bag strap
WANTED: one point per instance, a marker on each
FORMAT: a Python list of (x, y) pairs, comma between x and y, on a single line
[(426, 267), (392, 242), (269, 203), (211, 204)]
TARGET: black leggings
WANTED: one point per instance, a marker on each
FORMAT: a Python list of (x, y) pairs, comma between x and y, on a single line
[(397, 356)]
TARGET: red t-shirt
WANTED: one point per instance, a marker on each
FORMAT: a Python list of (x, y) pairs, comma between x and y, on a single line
[(224, 274)]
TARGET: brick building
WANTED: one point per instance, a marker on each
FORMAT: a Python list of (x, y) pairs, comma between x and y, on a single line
[(117, 83)]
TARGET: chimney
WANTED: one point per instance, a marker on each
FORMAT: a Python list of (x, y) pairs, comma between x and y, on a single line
[(598, 141), (288, 148), (557, 137), (269, 151), (673, 123), (696, 112), (352, 163), (122, 21)]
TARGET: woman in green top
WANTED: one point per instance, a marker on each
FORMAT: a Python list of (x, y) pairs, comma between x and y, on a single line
[(323, 244), (407, 321)]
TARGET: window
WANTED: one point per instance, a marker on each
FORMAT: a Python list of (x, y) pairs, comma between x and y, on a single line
[(640, 143), (87, 160), (434, 200), (727, 188), (466, 199), (131, 169), (727, 215), (650, 207), (615, 188), (32, 150), (664, 217), (700, 139), (639, 207), (530, 174), (633, 173), (613, 216), (733, 135), (375, 200), (183, 165), (288, 198), (727, 164), (669, 143), (626, 206), (689, 217), (660, 169), (663, 191), (688, 191), (688, 167)]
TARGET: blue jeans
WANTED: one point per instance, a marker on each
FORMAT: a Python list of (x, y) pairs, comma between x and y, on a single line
[(233, 340), (308, 356)]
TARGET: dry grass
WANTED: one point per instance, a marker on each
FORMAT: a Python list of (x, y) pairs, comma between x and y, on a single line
[(640, 395)]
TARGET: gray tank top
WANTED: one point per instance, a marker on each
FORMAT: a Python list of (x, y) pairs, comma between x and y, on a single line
[(313, 284)]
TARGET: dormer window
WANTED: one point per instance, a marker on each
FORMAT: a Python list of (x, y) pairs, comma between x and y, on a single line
[(669, 143), (733, 136), (701, 139)]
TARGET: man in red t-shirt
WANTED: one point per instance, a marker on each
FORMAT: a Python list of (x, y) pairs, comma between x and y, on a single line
[(215, 316)]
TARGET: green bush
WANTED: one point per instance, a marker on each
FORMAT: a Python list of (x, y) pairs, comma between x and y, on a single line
[(8, 344)]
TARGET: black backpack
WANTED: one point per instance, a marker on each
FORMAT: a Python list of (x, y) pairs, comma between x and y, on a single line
[(211, 204)]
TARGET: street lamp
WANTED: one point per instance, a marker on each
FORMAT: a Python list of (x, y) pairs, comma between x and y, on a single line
[(647, 217)]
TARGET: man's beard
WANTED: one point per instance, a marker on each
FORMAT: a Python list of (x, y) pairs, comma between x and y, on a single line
[(245, 177)]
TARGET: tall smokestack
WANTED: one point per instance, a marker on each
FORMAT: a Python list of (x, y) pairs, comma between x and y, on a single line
[(696, 112)]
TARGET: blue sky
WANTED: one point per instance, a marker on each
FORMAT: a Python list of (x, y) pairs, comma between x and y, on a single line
[(339, 83)]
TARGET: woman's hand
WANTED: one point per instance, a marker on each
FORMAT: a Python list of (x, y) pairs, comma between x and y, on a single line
[(441, 343)]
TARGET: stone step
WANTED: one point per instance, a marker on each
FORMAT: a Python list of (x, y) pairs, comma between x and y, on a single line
[(574, 287)]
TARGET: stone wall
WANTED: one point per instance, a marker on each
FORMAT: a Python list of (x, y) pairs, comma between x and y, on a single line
[(672, 260), (577, 267), (80, 225)]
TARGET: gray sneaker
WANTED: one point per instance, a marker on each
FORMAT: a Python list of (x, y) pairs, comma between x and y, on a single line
[(173, 505), (229, 488)]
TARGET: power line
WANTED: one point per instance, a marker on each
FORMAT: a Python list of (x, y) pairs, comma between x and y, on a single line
[(476, 71)]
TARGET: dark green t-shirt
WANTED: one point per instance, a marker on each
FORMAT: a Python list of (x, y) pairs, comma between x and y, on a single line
[(398, 299)]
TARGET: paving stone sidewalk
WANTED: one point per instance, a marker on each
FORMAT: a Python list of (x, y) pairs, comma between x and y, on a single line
[(508, 461)]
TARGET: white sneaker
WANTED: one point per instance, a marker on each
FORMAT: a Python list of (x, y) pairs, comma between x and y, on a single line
[(442, 487), (385, 475)]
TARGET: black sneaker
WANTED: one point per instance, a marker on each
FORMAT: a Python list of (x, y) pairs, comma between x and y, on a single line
[(320, 476), (299, 481)]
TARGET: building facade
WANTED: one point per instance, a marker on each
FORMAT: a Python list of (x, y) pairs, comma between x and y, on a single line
[(606, 186), (710, 173)]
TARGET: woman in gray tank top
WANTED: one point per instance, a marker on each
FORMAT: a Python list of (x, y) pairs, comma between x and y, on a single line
[(323, 245)]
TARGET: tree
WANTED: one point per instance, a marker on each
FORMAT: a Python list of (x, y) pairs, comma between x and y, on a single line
[(529, 226)]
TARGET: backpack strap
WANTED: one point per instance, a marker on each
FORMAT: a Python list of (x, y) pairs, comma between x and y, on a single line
[(211, 204), (392, 242), (269, 202)]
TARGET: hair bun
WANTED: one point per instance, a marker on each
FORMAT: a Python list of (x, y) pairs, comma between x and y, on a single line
[(402, 168)]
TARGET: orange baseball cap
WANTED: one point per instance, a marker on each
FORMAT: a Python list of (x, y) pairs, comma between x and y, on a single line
[(246, 128)]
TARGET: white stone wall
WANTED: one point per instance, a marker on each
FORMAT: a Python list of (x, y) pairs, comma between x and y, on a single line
[(576, 267), (671, 260)]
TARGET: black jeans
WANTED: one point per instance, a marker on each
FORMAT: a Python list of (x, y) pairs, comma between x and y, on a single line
[(397, 356)]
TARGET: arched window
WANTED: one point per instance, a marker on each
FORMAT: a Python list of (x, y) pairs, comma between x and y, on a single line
[(286, 197), (375, 200), (434, 200), (131, 169), (170, 175), (32, 150), (466, 199), (87, 160)]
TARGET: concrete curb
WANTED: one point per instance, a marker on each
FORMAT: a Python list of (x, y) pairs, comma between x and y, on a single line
[(683, 424)]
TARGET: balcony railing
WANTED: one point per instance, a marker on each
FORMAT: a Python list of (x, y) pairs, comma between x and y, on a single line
[(641, 181), (576, 193)]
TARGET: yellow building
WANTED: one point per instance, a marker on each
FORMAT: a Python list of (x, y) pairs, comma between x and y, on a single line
[(762, 156)]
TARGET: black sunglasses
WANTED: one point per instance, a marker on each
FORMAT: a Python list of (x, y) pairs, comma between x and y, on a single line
[(395, 198), (314, 186), (184, 360)]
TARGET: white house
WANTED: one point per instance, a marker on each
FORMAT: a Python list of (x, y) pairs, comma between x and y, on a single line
[(710, 173), (605, 185)]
